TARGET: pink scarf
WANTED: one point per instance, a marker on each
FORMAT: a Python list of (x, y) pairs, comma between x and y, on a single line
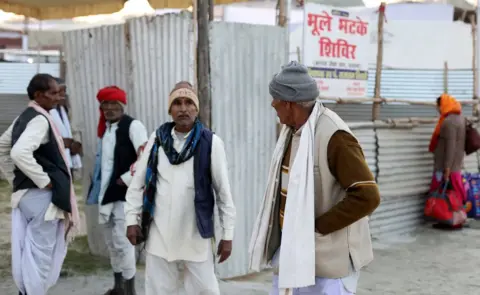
[(75, 217)]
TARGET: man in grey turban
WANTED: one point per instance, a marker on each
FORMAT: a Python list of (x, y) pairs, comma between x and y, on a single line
[(345, 192)]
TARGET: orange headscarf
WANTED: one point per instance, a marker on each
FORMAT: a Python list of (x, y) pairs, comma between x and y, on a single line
[(448, 105)]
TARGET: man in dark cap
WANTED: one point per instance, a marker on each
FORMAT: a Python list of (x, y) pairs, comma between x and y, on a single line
[(313, 227)]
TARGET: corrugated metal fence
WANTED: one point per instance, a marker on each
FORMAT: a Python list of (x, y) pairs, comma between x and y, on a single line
[(15, 76), (162, 55), (243, 117), (422, 84)]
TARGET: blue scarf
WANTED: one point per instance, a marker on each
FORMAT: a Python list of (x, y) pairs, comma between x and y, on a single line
[(164, 140)]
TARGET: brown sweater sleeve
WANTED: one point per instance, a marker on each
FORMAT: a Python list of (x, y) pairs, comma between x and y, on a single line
[(347, 164), (449, 133)]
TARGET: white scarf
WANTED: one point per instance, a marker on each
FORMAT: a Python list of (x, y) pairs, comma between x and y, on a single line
[(65, 130), (297, 252)]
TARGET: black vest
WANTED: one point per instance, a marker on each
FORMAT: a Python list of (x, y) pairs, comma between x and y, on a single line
[(49, 157), (124, 156)]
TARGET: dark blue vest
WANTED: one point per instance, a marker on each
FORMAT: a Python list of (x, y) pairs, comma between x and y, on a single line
[(204, 196)]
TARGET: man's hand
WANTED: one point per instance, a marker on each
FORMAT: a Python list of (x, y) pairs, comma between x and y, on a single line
[(76, 148), (446, 174), (224, 250), (134, 231), (68, 223), (67, 142), (49, 185), (120, 182)]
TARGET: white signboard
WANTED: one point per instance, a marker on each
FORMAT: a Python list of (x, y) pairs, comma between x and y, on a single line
[(336, 49)]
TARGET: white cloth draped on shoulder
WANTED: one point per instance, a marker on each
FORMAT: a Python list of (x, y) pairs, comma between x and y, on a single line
[(74, 162), (297, 253)]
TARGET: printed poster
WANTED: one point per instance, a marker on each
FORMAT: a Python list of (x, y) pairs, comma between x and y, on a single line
[(336, 45)]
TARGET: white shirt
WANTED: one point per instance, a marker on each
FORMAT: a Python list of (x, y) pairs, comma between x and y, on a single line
[(21, 155), (61, 120), (174, 234), (138, 136)]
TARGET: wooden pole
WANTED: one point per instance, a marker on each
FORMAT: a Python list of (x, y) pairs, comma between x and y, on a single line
[(282, 15), (473, 23), (62, 64), (211, 11), (378, 70), (203, 62), (195, 43), (445, 77)]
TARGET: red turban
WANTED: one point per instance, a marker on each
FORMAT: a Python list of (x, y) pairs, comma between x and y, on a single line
[(109, 93)]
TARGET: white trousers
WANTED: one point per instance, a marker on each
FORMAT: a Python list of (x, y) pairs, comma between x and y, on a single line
[(323, 286), (163, 277), (122, 253), (38, 246)]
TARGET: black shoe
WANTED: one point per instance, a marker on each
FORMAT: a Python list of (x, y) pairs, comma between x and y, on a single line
[(130, 287), (117, 285)]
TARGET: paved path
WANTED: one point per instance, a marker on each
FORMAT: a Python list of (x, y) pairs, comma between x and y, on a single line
[(431, 263)]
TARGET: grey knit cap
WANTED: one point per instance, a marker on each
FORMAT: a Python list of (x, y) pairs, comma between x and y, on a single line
[(294, 84)]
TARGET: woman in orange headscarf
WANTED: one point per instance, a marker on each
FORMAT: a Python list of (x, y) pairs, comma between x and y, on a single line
[(448, 146)]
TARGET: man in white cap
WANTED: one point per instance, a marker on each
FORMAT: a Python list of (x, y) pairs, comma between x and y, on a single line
[(313, 226), (172, 190)]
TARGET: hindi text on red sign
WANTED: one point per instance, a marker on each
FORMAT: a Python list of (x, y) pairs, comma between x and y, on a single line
[(339, 49), (320, 22), (353, 27)]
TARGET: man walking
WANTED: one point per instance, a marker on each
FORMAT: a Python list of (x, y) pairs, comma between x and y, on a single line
[(313, 226), (43, 200), (120, 140), (173, 188)]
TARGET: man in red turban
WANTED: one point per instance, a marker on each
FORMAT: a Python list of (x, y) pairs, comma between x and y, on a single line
[(121, 138)]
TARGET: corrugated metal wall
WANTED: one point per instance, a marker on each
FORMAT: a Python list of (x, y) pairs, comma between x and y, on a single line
[(404, 172), (368, 140), (11, 105), (243, 59), (14, 77), (460, 84), (95, 58), (162, 54), (363, 112), (421, 85)]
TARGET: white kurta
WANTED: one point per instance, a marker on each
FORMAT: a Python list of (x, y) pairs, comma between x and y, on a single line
[(174, 234), (21, 155), (63, 125), (138, 137)]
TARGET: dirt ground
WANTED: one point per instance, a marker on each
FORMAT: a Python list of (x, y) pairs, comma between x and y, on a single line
[(429, 262)]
